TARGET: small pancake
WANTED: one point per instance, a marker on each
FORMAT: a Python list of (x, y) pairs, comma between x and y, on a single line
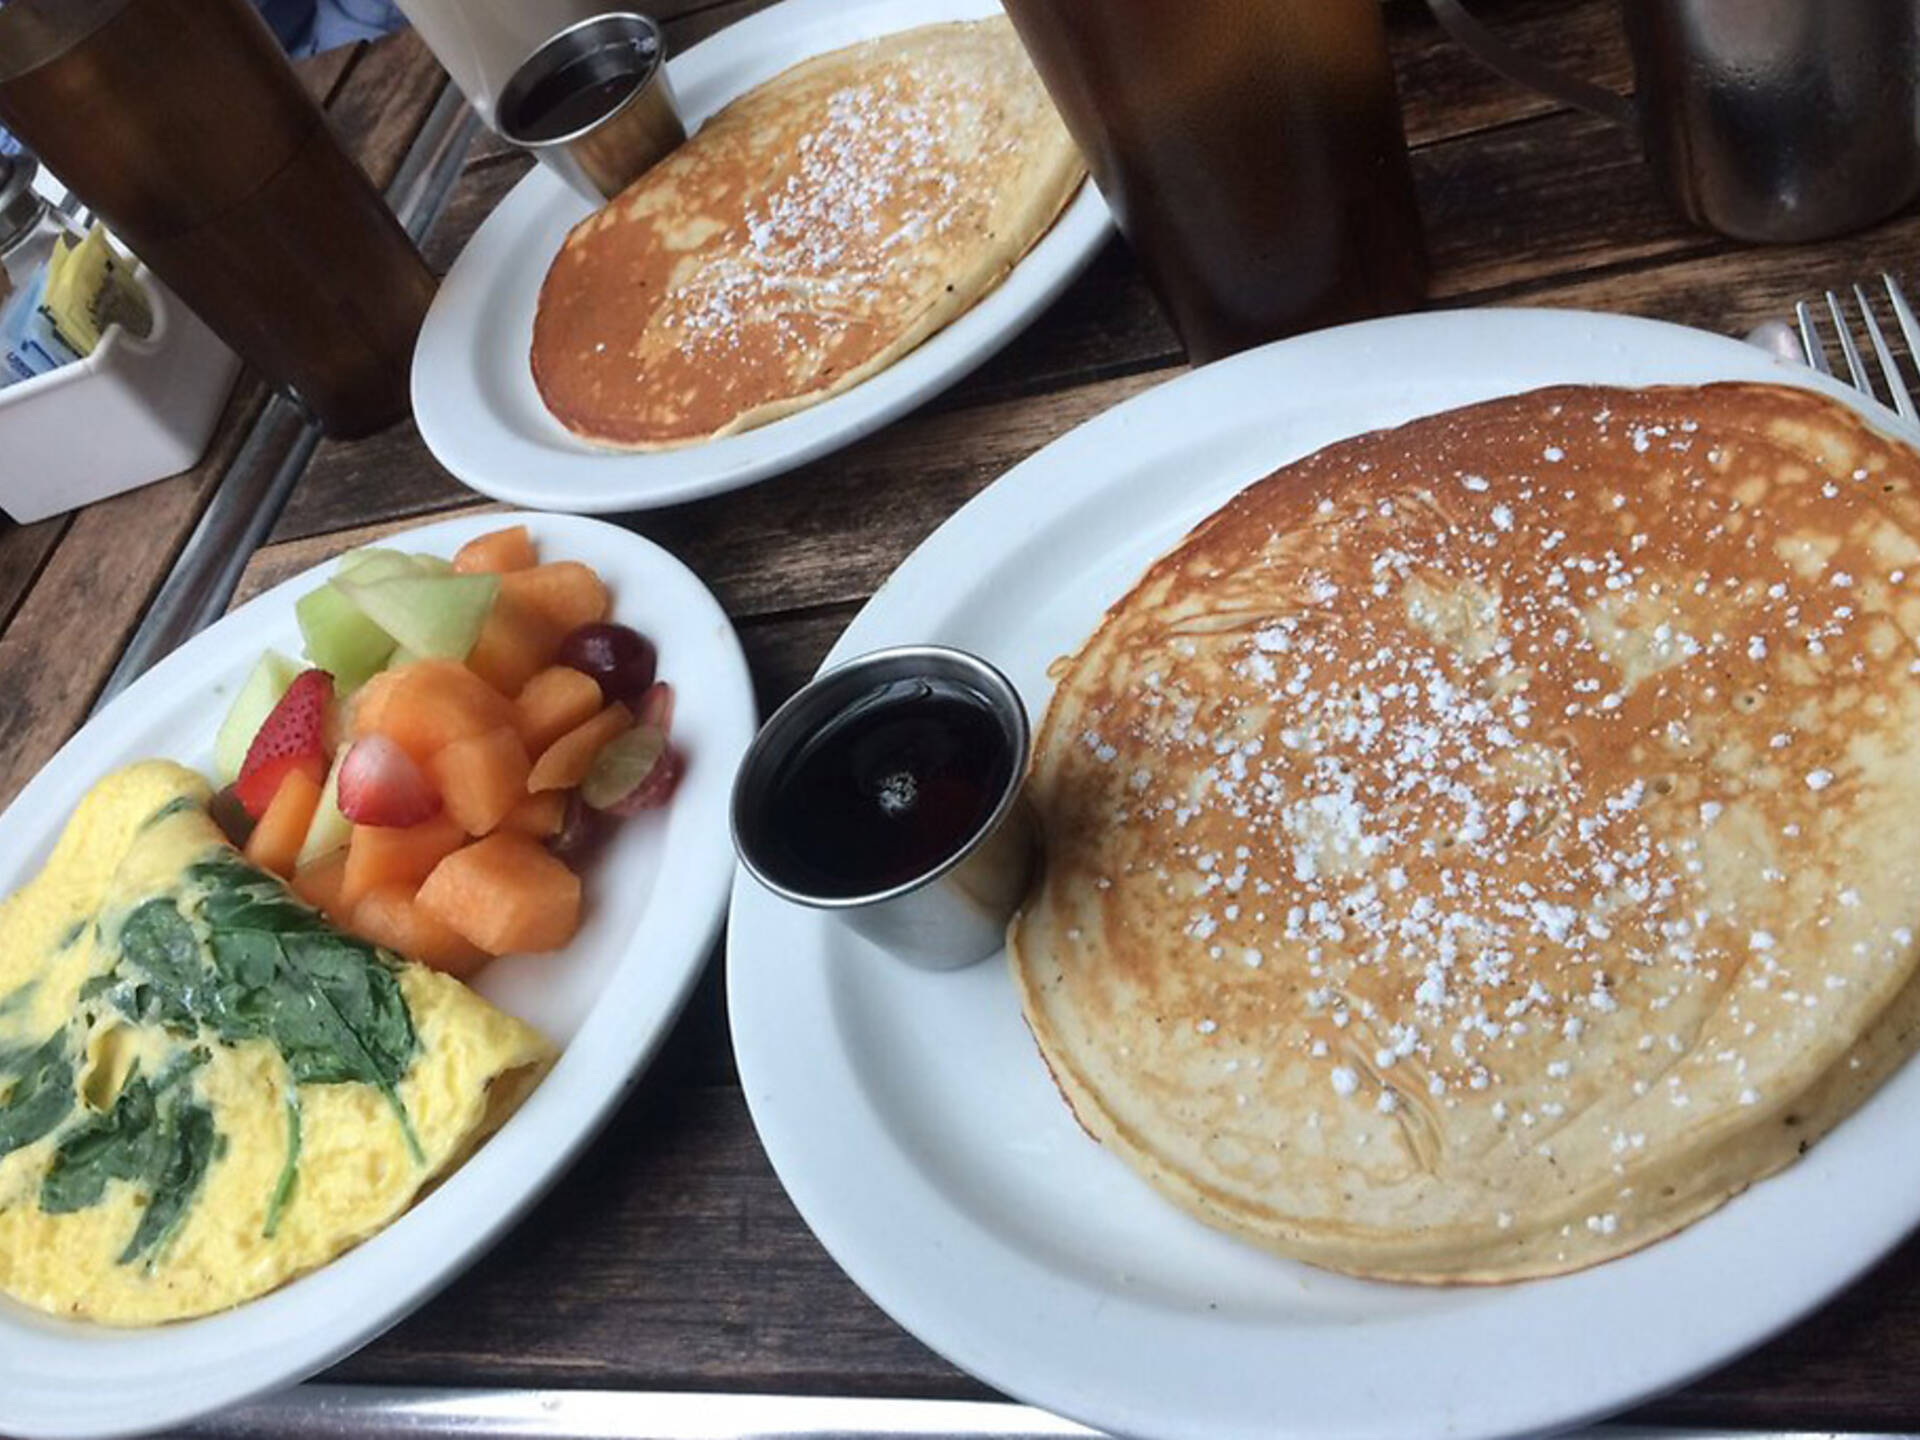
[(1467, 853), (810, 234)]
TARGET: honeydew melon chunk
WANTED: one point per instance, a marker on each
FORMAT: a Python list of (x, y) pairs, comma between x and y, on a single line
[(373, 563), (329, 830), (431, 615), (271, 675), (340, 639)]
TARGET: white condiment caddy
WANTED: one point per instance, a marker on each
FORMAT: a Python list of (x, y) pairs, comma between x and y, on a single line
[(134, 411)]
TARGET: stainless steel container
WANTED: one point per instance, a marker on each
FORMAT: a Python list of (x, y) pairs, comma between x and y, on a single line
[(593, 103), (956, 911), (1773, 120)]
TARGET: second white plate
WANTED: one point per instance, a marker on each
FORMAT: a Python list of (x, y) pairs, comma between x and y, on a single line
[(915, 1126), (473, 393)]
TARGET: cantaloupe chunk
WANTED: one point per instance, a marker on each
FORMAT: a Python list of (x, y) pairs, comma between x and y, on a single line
[(566, 592), (497, 552), (540, 816), (564, 763), (506, 894), (554, 702), (397, 855), (365, 705), (319, 885), (516, 642), (276, 840), (425, 706), (481, 778), (387, 915)]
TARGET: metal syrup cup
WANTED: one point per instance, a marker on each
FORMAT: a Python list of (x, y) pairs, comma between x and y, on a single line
[(956, 911), (601, 156)]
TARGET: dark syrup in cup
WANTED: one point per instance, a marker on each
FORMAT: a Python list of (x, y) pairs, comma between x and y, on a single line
[(888, 789)]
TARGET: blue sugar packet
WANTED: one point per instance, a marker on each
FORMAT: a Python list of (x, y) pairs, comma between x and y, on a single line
[(29, 344)]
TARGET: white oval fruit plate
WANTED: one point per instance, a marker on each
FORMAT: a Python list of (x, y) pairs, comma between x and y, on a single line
[(654, 900)]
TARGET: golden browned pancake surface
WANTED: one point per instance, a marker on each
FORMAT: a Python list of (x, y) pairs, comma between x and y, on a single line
[(812, 232), (1484, 846)]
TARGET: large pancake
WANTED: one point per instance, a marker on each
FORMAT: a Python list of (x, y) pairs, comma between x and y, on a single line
[(1479, 849), (810, 234)]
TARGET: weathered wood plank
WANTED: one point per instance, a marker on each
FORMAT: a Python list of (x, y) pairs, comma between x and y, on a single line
[(671, 1258), (827, 532), (691, 27), (385, 477), (481, 187), (1730, 288), (384, 100), (1541, 200), (23, 550), (321, 74), (1445, 93), (784, 651)]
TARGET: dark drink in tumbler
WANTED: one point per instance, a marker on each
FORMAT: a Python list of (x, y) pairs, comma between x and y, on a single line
[(184, 127), (1251, 151)]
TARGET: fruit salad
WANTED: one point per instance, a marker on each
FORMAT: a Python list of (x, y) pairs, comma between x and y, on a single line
[(462, 735)]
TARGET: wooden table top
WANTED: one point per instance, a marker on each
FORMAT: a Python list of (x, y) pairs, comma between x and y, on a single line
[(669, 1257)]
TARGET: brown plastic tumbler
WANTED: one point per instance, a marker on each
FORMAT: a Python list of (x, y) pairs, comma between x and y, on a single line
[(1251, 152), (185, 129)]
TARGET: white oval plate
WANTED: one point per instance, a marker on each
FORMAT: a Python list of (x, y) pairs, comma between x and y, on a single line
[(609, 998), (911, 1118), (473, 393)]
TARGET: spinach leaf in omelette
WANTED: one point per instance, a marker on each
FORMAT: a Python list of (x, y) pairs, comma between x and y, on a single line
[(271, 969), (36, 1091), (16, 1001), (158, 943), (178, 806), (233, 958), (157, 1136), (289, 1172)]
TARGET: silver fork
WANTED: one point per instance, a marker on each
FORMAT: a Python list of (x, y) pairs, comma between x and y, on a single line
[(1814, 346)]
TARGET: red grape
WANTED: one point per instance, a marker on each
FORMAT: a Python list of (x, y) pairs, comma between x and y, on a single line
[(656, 789), (231, 816), (620, 658), (582, 832)]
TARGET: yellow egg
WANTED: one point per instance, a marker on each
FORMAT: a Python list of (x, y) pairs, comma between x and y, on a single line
[(205, 1091)]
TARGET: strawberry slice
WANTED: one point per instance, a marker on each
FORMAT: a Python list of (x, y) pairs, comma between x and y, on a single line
[(380, 784), (292, 737)]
